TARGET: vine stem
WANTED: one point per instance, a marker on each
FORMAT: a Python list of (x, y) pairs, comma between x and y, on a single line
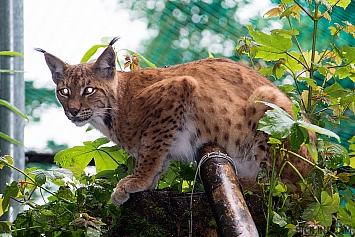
[(34, 182), (315, 19), (269, 200)]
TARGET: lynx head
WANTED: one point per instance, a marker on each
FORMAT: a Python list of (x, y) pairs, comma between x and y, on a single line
[(84, 89)]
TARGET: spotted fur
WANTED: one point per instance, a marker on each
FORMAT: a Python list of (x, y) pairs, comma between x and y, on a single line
[(164, 113)]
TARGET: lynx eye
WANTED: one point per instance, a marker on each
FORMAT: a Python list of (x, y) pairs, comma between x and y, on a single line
[(64, 91), (88, 91)]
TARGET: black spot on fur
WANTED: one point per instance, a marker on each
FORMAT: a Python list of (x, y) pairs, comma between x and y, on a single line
[(108, 120)]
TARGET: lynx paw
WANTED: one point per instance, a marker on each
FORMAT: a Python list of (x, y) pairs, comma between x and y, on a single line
[(125, 187)]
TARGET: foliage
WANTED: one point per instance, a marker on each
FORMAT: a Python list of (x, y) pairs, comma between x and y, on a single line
[(317, 210), (6, 103)]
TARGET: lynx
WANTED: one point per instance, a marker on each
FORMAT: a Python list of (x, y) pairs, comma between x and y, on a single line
[(168, 113)]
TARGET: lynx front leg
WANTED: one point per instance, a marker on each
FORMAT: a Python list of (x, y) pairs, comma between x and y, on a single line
[(163, 107)]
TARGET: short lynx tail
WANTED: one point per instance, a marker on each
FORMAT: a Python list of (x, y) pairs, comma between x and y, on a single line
[(39, 50), (114, 40)]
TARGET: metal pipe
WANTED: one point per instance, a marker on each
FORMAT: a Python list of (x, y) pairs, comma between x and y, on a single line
[(12, 89), (224, 193)]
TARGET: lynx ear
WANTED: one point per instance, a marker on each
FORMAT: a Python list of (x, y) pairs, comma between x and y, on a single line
[(105, 65), (56, 65)]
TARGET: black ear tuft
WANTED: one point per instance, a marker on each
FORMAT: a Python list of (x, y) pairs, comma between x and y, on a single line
[(39, 50), (56, 65), (114, 40)]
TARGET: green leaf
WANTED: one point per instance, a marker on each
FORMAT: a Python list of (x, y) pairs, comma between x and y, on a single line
[(316, 178), (296, 108), (92, 232), (11, 53), (273, 46), (323, 211), (279, 219), (348, 53), (91, 52), (338, 155), (285, 33), (40, 179), (341, 3), (310, 82), (277, 122), (8, 138), (346, 215), (297, 137), (2, 210), (4, 227), (279, 189), (9, 191), (80, 156), (318, 129), (13, 108), (4, 160), (10, 71)]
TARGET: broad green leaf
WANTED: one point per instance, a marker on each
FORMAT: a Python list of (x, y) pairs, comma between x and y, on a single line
[(322, 211), (92, 232), (277, 122), (266, 71), (80, 156), (341, 3), (292, 64), (52, 174), (278, 219), (91, 52), (279, 189), (9, 191), (13, 108), (100, 141), (4, 226), (318, 129), (293, 10), (337, 91), (343, 72), (316, 178), (297, 137), (61, 173), (40, 179), (279, 72), (310, 82), (6, 159), (346, 215), (348, 54), (285, 33), (338, 155), (11, 53), (273, 46)]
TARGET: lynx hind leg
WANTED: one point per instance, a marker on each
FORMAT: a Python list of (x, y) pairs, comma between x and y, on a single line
[(257, 110), (163, 110)]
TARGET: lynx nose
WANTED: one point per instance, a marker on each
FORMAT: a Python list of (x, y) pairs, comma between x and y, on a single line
[(73, 111)]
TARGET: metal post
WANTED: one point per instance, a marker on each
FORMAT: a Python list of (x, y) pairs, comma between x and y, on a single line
[(12, 89), (224, 193)]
